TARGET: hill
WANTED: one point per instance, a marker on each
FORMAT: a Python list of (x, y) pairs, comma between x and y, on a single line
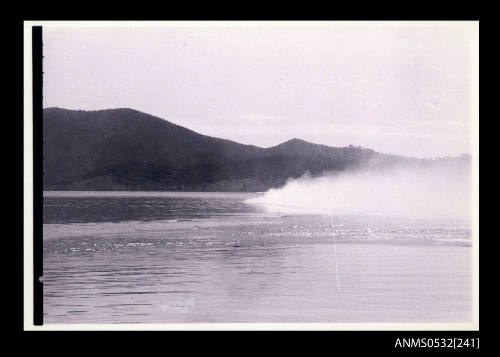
[(124, 149)]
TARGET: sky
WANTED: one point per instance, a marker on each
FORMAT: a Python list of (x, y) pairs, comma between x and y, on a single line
[(392, 87)]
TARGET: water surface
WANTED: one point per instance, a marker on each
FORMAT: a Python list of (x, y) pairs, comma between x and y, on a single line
[(210, 257)]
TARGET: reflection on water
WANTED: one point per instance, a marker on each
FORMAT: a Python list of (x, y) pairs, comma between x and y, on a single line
[(164, 257), (76, 207)]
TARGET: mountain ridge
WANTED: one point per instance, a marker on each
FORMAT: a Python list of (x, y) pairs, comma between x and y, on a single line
[(125, 149)]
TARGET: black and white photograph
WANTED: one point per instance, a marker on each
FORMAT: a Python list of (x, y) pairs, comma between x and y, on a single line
[(308, 174)]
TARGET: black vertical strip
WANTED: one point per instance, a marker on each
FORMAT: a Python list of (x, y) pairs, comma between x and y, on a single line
[(37, 174), (20, 161)]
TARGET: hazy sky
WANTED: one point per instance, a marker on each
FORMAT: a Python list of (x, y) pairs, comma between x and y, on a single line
[(396, 89)]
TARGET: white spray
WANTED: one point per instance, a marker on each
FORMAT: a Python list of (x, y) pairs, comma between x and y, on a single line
[(441, 189)]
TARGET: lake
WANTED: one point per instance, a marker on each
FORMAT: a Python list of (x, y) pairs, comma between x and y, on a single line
[(160, 257)]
